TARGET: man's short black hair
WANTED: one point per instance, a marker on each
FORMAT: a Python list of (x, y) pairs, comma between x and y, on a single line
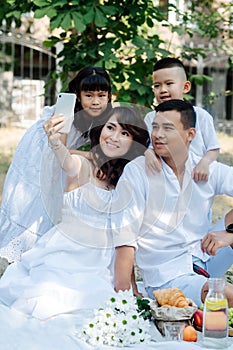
[(168, 62), (187, 112)]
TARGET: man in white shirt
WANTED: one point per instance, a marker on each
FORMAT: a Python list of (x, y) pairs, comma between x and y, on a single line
[(167, 212)]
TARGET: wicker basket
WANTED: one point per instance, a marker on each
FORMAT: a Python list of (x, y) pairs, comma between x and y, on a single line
[(162, 315)]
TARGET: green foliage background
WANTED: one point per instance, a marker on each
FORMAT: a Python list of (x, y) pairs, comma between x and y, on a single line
[(123, 36)]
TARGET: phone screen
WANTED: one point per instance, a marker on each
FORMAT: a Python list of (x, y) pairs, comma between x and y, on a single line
[(65, 105)]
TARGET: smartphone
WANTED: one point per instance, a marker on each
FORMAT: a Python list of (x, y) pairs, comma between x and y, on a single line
[(65, 105)]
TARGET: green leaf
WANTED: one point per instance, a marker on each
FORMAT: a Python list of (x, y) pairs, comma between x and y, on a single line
[(50, 43), (109, 10), (179, 30), (66, 23), (16, 14), (56, 22), (139, 41), (144, 308), (199, 79), (11, 2), (110, 65), (149, 22), (100, 20), (89, 16), (41, 3), (78, 21), (60, 3), (45, 11)]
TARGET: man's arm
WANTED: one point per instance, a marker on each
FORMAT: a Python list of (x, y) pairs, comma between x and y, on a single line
[(124, 262), (215, 240), (229, 221)]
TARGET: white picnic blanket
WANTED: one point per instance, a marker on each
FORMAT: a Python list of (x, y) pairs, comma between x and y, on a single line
[(18, 332)]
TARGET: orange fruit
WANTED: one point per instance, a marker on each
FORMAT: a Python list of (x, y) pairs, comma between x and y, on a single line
[(190, 334)]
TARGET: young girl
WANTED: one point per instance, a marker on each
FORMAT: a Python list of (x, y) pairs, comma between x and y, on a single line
[(33, 188), (69, 268)]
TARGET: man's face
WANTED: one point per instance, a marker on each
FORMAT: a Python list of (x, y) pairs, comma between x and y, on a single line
[(169, 138)]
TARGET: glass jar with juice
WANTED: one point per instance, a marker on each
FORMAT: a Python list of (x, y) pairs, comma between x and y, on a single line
[(215, 316)]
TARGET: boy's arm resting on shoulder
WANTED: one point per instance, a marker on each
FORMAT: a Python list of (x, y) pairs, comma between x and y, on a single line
[(124, 263), (153, 163), (205, 125), (201, 170), (207, 129)]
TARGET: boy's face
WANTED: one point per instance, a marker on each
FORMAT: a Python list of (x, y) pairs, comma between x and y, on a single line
[(170, 83)]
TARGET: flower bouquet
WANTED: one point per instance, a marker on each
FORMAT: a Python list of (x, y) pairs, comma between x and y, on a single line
[(118, 323)]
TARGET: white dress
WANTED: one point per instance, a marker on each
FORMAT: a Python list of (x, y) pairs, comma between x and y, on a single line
[(33, 190), (69, 267)]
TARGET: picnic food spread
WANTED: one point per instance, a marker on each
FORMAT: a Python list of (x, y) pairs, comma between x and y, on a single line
[(171, 305), (170, 297), (230, 322)]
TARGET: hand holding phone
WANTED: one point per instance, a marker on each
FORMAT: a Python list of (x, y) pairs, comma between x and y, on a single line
[(65, 105)]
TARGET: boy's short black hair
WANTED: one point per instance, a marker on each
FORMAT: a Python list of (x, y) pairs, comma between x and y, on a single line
[(168, 62), (187, 112)]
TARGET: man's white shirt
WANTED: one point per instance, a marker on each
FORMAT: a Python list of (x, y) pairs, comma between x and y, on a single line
[(164, 222)]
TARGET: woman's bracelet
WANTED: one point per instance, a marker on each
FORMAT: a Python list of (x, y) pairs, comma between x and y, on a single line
[(56, 147)]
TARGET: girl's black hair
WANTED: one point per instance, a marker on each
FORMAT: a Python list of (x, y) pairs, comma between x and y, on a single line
[(89, 79), (131, 120)]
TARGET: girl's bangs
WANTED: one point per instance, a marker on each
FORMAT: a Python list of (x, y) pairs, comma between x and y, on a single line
[(95, 83)]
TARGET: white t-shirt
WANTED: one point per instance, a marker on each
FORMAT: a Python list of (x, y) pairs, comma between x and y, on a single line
[(168, 222), (205, 139)]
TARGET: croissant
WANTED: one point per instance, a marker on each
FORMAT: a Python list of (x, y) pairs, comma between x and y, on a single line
[(170, 296)]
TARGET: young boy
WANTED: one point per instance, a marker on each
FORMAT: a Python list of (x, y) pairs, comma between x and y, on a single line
[(170, 82)]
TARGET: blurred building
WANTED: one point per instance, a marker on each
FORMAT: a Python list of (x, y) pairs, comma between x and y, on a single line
[(214, 95), (25, 66)]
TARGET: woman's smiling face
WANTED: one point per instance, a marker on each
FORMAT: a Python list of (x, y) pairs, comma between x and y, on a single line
[(114, 140)]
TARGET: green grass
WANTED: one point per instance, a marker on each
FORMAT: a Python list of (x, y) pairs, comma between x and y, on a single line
[(5, 160), (6, 155)]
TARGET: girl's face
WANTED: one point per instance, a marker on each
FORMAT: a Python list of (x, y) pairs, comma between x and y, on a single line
[(94, 102), (114, 140)]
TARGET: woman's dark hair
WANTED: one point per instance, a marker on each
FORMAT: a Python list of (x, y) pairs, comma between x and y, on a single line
[(89, 79), (131, 120)]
